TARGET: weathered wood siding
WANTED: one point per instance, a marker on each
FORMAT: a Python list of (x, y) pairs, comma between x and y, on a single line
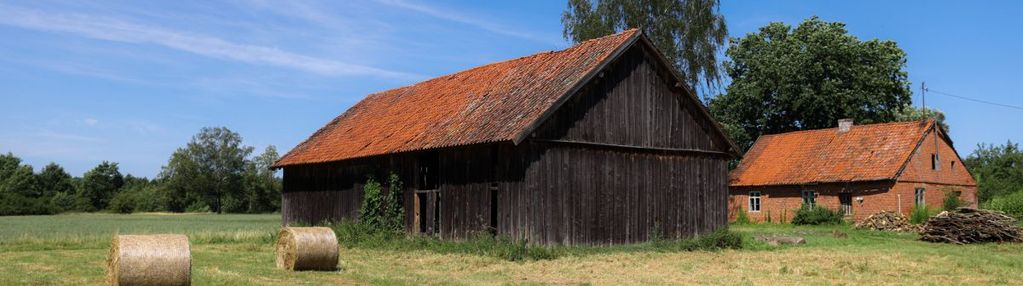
[(625, 157)]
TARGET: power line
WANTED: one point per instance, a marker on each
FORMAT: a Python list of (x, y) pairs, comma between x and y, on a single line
[(973, 99)]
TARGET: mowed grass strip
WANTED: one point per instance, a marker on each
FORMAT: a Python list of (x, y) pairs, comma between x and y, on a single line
[(230, 251)]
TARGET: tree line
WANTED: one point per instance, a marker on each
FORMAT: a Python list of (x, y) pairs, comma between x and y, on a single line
[(213, 172)]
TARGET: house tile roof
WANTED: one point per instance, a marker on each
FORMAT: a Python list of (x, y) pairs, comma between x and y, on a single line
[(490, 103), (864, 153)]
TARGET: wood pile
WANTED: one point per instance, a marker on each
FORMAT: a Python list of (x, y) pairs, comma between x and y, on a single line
[(969, 225), (887, 221)]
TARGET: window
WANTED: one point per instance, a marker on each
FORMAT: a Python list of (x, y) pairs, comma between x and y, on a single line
[(754, 201), (935, 162), (809, 197), (919, 196), (952, 166)]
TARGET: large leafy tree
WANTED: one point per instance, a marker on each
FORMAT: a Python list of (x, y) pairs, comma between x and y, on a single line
[(910, 113), (263, 187), (998, 170), (99, 185), (53, 180), (688, 32), (808, 77), (19, 191), (208, 172)]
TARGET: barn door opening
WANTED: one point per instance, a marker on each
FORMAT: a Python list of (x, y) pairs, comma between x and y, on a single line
[(845, 199), (426, 218)]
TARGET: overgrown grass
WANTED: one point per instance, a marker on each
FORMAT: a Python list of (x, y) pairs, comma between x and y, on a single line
[(354, 235), (238, 250), (920, 214)]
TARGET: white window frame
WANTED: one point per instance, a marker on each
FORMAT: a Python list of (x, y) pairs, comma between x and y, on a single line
[(919, 196), (754, 195), (811, 195)]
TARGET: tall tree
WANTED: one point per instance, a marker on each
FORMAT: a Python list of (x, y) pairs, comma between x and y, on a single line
[(911, 113), (786, 79), (998, 170), (99, 185), (208, 172), (52, 180), (19, 192), (263, 187), (688, 32)]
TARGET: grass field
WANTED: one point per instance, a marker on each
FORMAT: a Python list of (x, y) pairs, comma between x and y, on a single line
[(237, 250)]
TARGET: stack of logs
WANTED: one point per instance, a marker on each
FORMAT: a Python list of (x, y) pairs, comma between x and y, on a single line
[(887, 221), (969, 225)]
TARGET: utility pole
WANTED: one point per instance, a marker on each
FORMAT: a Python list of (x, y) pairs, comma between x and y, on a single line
[(923, 98)]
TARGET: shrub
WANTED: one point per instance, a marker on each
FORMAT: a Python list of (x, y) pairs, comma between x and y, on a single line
[(123, 202), (1011, 204), (951, 201), (741, 217), (920, 214), (380, 211), (815, 215)]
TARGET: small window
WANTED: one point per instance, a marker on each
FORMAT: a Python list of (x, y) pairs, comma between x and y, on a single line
[(935, 162), (919, 196), (754, 201), (809, 197), (952, 166)]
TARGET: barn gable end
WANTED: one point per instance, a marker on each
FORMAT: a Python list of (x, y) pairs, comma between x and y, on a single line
[(635, 101)]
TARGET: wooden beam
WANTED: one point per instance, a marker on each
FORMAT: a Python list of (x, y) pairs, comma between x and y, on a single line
[(634, 148)]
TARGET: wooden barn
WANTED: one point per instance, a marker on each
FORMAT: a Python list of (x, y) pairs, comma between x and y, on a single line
[(599, 143), (859, 170)]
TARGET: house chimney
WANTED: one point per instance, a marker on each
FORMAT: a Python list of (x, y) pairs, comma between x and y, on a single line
[(844, 124)]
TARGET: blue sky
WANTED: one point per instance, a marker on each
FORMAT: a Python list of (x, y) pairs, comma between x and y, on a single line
[(130, 81)]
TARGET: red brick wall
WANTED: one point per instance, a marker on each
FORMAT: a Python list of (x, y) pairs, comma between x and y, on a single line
[(951, 172), (782, 201)]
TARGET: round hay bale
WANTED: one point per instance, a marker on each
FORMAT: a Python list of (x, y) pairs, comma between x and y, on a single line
[(162, 259), (307, 248)]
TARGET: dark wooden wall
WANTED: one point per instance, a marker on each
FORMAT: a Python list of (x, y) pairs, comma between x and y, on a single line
[(625, 157)]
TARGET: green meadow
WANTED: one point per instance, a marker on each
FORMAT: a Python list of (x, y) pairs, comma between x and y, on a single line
[(71, 249)]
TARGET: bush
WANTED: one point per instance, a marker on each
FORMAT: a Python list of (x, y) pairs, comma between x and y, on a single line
[(815, 215), (382, 211), (123, 202), (951, 201), (920, 214), (1011, 204), (742, 217)]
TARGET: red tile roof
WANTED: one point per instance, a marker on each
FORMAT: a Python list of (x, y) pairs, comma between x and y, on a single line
[(490, 103), (864, 153)]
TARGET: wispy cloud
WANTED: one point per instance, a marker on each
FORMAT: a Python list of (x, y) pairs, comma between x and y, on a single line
[(117, 30), (460, 18), (47, 134), (90, 121)]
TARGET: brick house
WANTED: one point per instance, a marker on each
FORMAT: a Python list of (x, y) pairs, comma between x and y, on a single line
[(859, 170)]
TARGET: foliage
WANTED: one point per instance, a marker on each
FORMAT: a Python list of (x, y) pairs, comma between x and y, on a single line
[(997, 169), (52, 180), (920, 214), (786, 79), (19, 191), (910, 113), (951, 201), (262, 186), (1011, 204), (394, 217), (816, 215), (99, 185), (688, 32), (741, 217), (208, 172), (360, 235)]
